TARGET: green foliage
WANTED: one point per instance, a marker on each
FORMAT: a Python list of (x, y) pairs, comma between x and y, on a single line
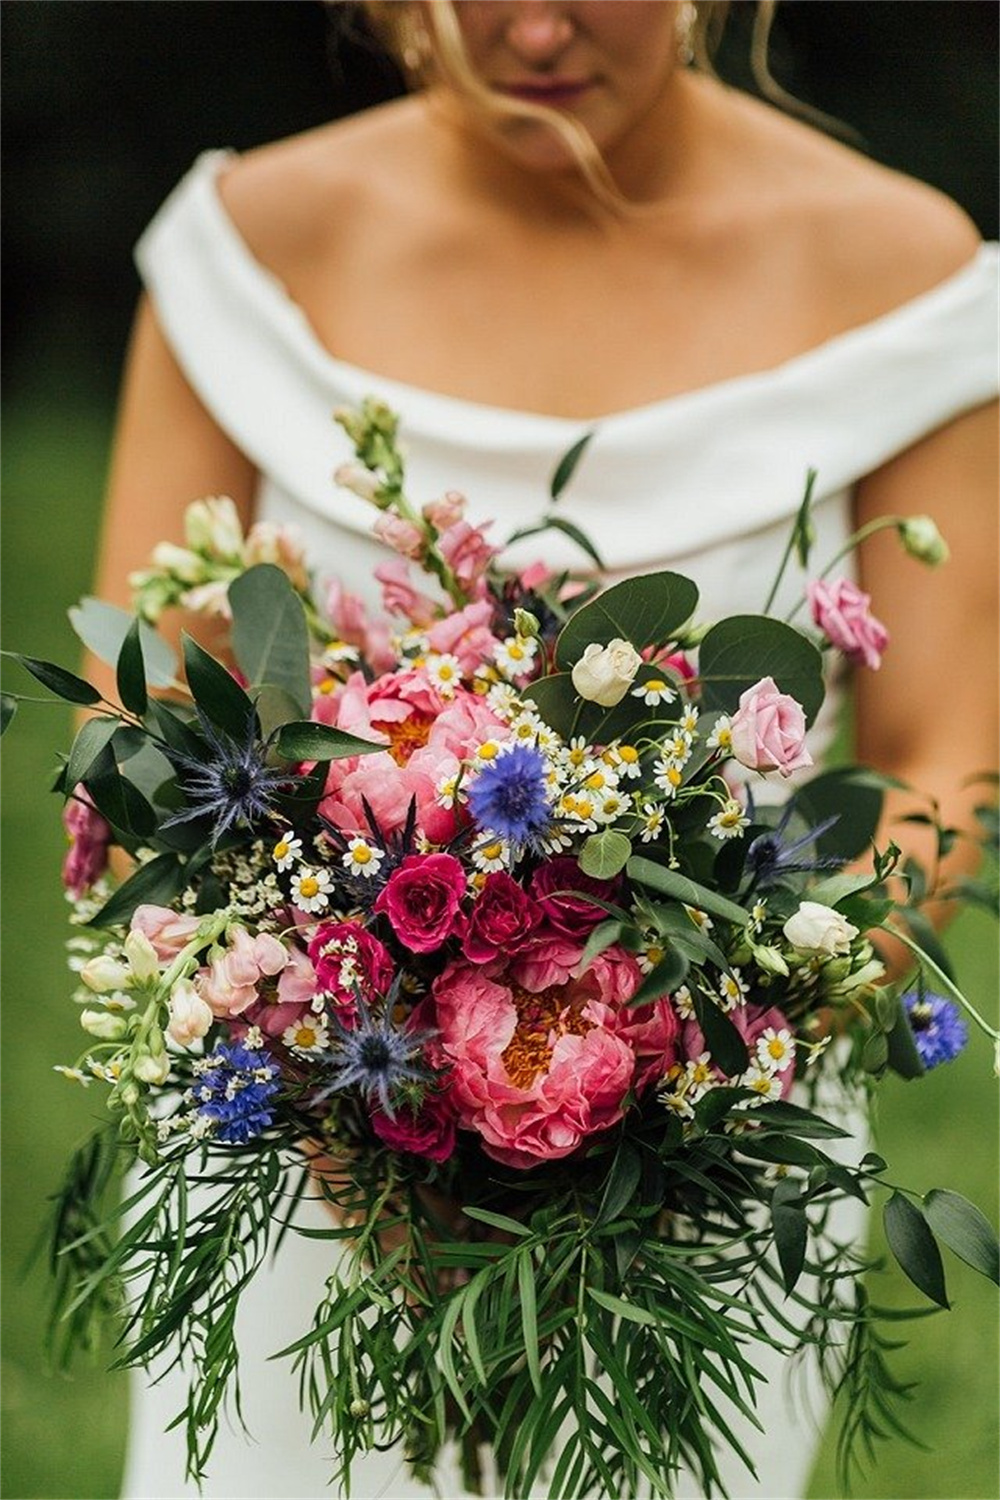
[(269, 633), (740, 650), (103, 627), (647, 611)]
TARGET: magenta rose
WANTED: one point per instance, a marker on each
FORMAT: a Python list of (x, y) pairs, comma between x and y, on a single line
[(769, 730), (502, 920), (347, 959), (429, 1133), (423, 900), (567, 912), (842, 612)]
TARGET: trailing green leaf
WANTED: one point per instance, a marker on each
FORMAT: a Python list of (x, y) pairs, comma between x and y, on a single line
[(912, 1243)]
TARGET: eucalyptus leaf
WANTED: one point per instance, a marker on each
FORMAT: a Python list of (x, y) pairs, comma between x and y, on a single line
[(270, 635), (306, 740), (131, 672), (103, 627), (566, 467), (740, 651), (965, 1230), (648, 611), (216, 691), (913, 1245), (604, 854), (66, 685)]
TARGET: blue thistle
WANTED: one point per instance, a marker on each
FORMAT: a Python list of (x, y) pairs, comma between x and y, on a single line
[(233, 785), (233, 1090), (769, 857), (375, 1056), (510, 796), (938, 1027)]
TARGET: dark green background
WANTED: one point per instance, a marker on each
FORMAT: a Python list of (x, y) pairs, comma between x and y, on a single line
[(105, 105)]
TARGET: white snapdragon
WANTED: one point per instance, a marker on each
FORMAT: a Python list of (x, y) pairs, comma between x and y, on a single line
[(104, 1025), (604, 674), (190, 1015), (213, 526), (104, 974), (816, 928)]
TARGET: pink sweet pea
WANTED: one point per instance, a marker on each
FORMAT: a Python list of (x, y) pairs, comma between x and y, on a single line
[(768, 730), (535, 576), (168, 931), (422, 899), (274, 1010), (89, 835), (841, 610), (229, 985)]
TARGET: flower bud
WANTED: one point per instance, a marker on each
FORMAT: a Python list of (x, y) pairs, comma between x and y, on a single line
[(922, 540), (183, 564), (213, 526), (103, 974), (770, 960), (129, 1095), (445, 512), (141, 956), (526, 624), (604, 674), (152, 1069), (190, 1015), (102, 1024), (359, 480), (816, 928)]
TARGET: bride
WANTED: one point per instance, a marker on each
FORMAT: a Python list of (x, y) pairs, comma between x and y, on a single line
[(565, 227)]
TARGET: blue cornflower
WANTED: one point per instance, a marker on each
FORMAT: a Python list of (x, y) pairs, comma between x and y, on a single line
[(375, 1057), (510, 795), (232, 784), (938, 1027), (769, 857), (233, 1091)]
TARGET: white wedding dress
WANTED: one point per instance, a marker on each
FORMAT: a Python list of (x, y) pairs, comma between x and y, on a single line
[(706, 482)]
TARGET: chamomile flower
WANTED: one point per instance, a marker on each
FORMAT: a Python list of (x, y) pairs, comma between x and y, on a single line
[(339, 651), (733, 990), (667, 777), (596, 778), (362, 858), (527, 727), (700, 918), (445, 671), (501, 697), (688, 721), (700, 1074), (75, 1075), (613, 804), (653, 819), (576, 754), (307, 1034), (311, 889), (766, 1086), (580, 810), (677, 1101), (654, 692), (625, 759), (775, 1049), (491, 856), (757, 914), (729, 822), (486, 752), (287, 851), (651, 955), (683, 1003), (721, 737), (448, 793), (676, 748), (515, 655)]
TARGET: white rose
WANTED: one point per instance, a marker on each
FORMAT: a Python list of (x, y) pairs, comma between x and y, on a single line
[(604, 674), (190, 1015), (816, 928), (213, 526)]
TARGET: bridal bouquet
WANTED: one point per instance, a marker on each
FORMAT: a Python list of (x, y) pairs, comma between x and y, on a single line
[(483, 922)]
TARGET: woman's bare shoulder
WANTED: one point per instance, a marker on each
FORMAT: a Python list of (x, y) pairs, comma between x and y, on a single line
[(290, 200)]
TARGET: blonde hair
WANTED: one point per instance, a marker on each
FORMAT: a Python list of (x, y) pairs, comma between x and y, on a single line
[(440, 54)]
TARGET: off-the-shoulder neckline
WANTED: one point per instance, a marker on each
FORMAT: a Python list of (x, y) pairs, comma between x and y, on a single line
[(413, 398)]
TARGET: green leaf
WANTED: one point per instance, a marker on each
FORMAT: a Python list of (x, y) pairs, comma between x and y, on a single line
[(131, 672), (791, 1230), (270, 635), (496, 1221), (901, 1047), (275, 707), (216, 691), (561, 706), (566, 466), (622, 1309), (913, 1245), (116, 799), (727, 1047), (648, 611), (671, 971), (856, 799), (173, 729), (604, 854), (558, 523), (738, 652), (804, 532), (672, 883), (623, 1179), (798, 1121), (306, 740), (8, 708), (156, 882), (964, 1230), (65, 685), (603, 935), (529, 1317), (103, 627), (91, 738)]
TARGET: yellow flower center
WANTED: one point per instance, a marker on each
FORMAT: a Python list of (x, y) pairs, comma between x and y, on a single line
[(629, 754), (361, 854), (776, 1047), (541, 1020), (281, 849), (305, 1036), (488, 751), (308, 886)]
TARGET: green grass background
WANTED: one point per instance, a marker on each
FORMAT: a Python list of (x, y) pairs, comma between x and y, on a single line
[(64, 1438)]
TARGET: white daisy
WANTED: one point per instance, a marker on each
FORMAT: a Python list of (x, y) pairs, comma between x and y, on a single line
[(765, 1085), (491, 856), (653, 818), (688, 721), (612, 805), (447, 789), (729, 822), (732, 990), (76, 1075), (515, 655), (721, 737), (625, 759), (657, 690), (667, 777), (683, 1003), (307, 1034), (287, 851), (576, 753), (338, 651), (311, 889), (502, 698), (701, 919), (775, 1049), (362, 858), (445, 671), (651, 955)]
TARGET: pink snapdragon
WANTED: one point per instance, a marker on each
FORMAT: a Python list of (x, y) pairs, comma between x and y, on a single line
[(403, 536), (399, 597), (446, 511), (230, 983), (842, 611), (89, 836), (465, 634), (769, 730), (468, 554)]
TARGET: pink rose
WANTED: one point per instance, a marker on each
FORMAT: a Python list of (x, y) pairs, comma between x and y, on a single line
[(348, 959), (399, 597), (402, 536), (422, 899), (768, 730), (89, 835), (429, 1133), (467, 553), (168, 931), (841, 611), (445, 512), (502, 920), (574, 915)]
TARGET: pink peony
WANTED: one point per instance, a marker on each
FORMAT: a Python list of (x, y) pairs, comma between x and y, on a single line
[(429, 1133), (168, 931), (537, 1069), (768, 730), (89, 835), (552, 886), (842, 612), (348, 959), (423, 900), (502, 920)]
